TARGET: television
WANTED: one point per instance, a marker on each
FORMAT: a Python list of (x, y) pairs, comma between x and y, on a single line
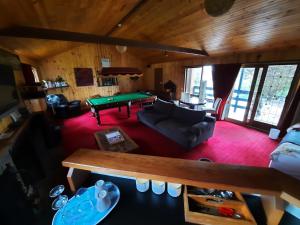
[(9, 98)]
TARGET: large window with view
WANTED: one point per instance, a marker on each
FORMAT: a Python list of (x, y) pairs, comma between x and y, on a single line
[(260, 93), (276, 87), (199, 82)]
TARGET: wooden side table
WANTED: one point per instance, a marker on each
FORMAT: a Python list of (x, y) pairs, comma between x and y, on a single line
[(127, 145)]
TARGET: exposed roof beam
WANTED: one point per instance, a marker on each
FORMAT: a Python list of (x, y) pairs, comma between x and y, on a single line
[(49, 34), (133, 10)]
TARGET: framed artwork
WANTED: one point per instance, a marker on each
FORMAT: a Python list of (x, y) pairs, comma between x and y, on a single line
[(84, 76), (105, 62)]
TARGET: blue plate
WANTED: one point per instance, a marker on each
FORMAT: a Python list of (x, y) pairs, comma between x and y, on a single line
[(82, 210)]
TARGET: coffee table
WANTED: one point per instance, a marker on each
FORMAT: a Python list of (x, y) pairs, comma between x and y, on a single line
[(126, 146)]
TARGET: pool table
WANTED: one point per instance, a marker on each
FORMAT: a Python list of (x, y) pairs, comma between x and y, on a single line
[(127, 99)]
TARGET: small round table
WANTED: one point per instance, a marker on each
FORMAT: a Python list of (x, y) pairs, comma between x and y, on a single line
[(192, 102)]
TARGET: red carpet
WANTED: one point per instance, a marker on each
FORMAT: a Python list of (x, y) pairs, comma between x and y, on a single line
[(231, 143)]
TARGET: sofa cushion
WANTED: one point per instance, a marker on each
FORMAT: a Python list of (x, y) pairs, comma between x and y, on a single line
[(151, 117), (177, 130), (187, 115), (172, 125), (292, 136), (164, 107)]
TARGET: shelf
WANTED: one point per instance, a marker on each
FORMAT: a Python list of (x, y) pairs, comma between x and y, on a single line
[(193, 203), (56, 87)]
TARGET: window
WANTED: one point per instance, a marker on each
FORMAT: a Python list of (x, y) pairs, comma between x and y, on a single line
[(275, 90), (35, 74), (199, 82), (259, 94), (109, 81), (240, 94)]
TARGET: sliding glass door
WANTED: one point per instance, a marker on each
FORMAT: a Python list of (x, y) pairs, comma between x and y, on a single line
[(199, 84), (240, 95), (260, 93), (275, 89)]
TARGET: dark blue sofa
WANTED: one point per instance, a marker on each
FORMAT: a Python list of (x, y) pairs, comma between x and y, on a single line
[(187, 127)]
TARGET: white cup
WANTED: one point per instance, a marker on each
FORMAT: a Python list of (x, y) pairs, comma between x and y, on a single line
[(99, 186), (142, 185), (174, 189), (158, 187), (103, 201)]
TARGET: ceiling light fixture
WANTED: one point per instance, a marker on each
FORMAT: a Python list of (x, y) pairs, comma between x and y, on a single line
[(217, 7), (121, 48)]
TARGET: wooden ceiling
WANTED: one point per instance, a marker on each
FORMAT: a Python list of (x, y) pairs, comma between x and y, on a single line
[(249, 26)]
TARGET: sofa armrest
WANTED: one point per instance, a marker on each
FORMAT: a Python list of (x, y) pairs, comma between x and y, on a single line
[(209, 119), (149, 107), (198, 128)]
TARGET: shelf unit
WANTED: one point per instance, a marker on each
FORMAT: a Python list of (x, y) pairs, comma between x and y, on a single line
[(194, 216)]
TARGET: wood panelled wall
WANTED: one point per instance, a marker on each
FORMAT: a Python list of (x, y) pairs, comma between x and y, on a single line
[(174, 71), (89, 55)]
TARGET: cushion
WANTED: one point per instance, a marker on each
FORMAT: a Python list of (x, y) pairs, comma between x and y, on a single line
[(163, 106), (292, 136), (172, 125), (151, 117), (178, 131), (187, 115)]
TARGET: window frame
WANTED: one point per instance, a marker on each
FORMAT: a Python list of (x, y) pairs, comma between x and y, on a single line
[(201, 77), (257, 124)]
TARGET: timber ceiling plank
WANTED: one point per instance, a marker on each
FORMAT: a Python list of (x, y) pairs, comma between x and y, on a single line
[(248, 26), (89, 16)]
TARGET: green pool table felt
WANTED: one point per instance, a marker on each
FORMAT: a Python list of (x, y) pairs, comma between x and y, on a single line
[(117, 98)]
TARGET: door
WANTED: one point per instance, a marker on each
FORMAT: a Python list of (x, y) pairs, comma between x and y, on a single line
[(260, 93), (273, 91), (158, 79), (241, 94)]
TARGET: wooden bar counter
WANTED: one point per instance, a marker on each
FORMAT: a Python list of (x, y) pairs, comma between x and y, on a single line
[(265, 181)]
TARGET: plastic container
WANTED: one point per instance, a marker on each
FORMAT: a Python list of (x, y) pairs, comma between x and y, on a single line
[(274, 133), (174, 189), (142, 185), (158, 187)]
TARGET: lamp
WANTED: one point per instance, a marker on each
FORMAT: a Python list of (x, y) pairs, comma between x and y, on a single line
[(121, 48), (217, 7)]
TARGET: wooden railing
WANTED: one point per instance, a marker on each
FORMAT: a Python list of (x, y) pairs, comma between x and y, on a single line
[(265, 181)]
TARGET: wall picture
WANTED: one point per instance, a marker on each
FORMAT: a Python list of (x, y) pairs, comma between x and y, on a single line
[(105, 62), (84, 76)]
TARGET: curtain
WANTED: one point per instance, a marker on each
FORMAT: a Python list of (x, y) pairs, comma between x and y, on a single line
[(224, 76), (28, 74), (288, 117)]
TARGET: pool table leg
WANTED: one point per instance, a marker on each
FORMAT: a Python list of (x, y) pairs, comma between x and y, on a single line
[(97, 114), (119, 108), (128, 109)]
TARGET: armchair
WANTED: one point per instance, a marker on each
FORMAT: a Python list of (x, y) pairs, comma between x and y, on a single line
[(61, 107)]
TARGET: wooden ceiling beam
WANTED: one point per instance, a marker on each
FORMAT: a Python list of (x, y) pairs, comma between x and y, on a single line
[(49, 34), (133, 10)]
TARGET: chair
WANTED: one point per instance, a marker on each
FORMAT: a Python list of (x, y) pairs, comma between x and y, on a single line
[(215, 109), (61, 107)]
